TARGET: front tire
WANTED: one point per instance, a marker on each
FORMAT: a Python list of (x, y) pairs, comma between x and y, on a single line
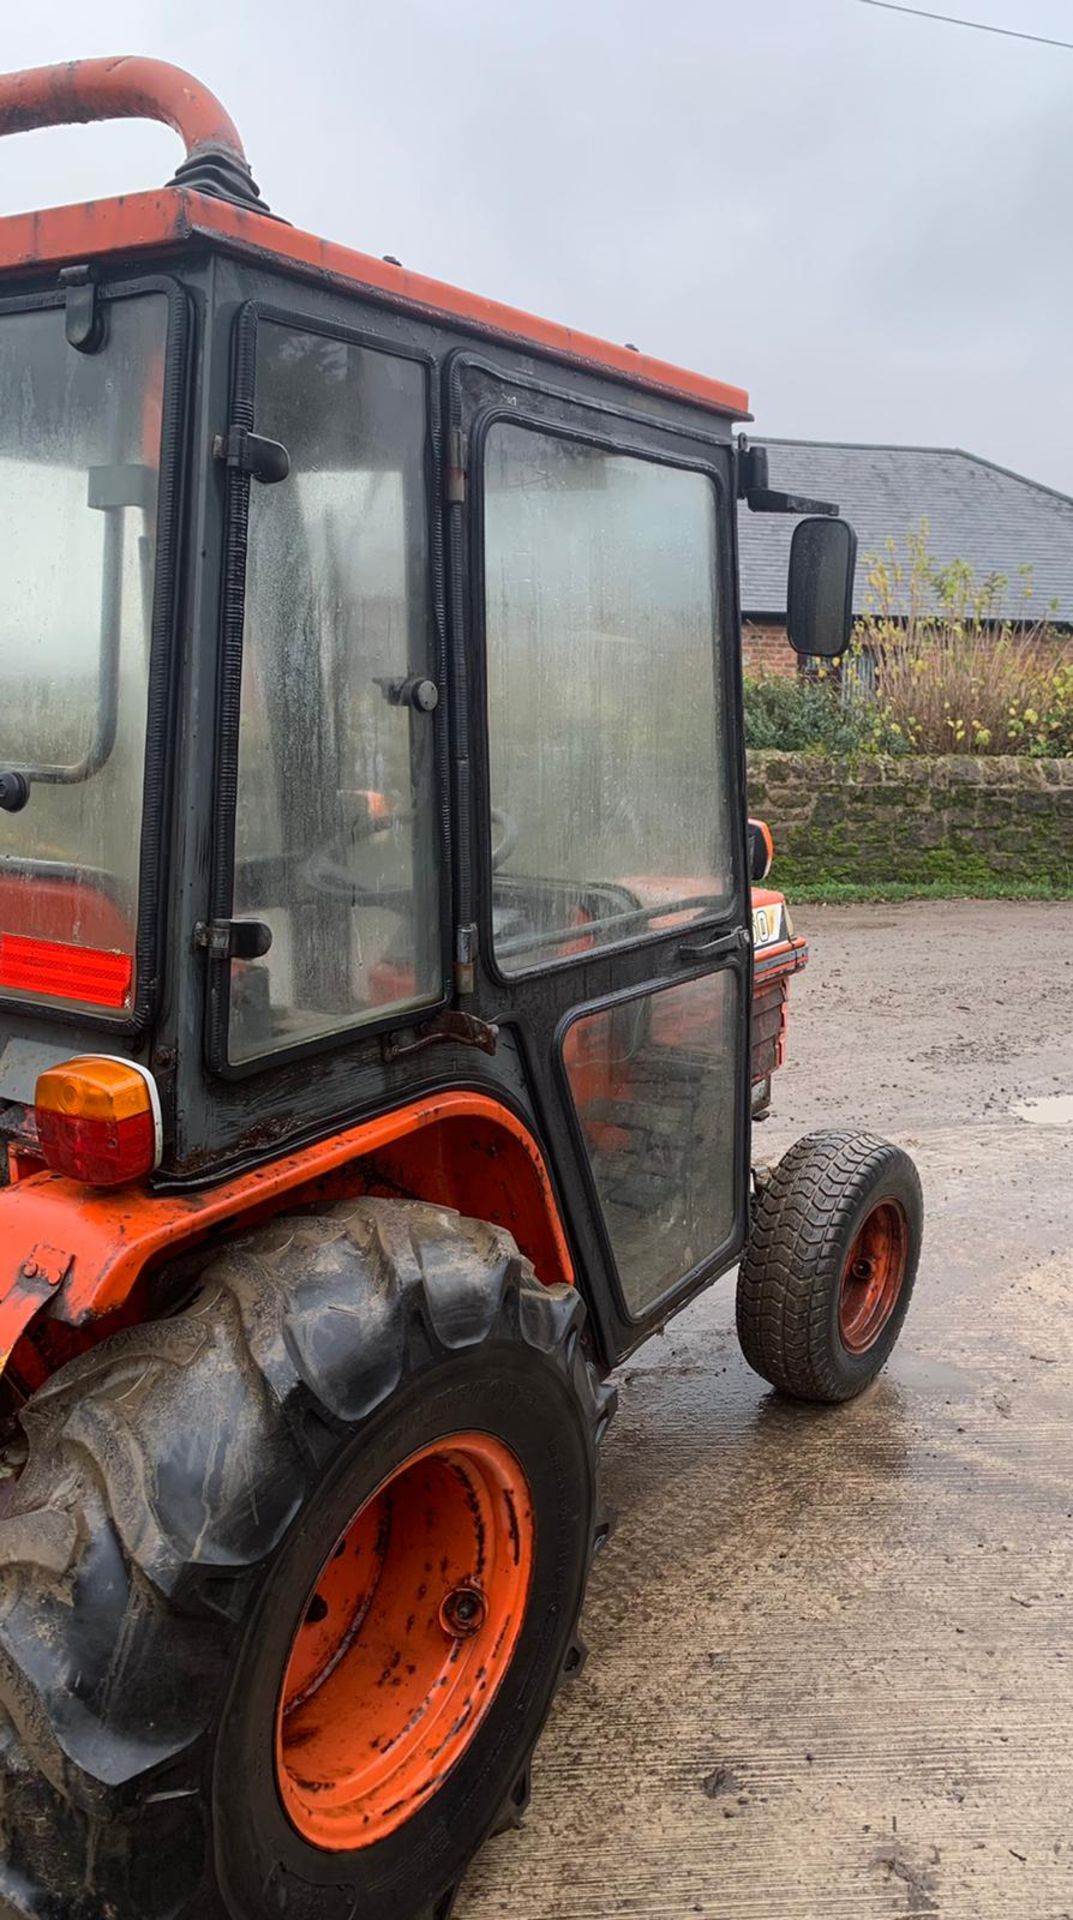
[(828, 1273), (381, 1386)]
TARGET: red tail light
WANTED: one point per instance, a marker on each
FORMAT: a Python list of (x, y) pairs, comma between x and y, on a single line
[(98, 1120), (95, 976)]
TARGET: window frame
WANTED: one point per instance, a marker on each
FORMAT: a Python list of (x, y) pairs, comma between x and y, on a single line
[(608, 438), (717, 1260), (483, 384), (160, 747), (243, 400)]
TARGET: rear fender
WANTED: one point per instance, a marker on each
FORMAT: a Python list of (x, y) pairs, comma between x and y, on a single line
[(80, 1253)]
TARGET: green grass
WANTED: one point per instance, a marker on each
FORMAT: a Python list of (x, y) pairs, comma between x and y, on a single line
[(853, 892)]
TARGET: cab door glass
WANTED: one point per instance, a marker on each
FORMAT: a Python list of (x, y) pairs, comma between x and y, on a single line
[(336, 826), (80, 449), (606, 726), (655, 1089)]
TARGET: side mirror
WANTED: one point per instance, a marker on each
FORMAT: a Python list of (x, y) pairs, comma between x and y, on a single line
[(819, 601), (761, 851)]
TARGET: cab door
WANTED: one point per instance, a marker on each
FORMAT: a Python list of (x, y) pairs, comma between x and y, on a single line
[(610, 886)]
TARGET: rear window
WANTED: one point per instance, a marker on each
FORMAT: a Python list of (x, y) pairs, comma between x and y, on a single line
[(79, 464)]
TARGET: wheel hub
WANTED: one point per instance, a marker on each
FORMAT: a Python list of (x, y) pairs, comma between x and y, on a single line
[(404, 1641), (872, 1276), (463, 1612)]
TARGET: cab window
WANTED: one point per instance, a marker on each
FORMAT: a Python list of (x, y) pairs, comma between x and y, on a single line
[(607, 732), (335, 830), (80, 443)]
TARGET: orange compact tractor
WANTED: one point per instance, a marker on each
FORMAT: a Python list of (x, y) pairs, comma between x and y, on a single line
[(382, 1007)]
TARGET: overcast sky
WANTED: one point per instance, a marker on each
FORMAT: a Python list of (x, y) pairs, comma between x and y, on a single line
[(863, 219)]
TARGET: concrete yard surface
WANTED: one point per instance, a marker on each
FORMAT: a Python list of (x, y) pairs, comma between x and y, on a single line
[(831, 1672)]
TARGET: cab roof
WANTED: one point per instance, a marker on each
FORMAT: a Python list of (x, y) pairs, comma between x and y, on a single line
[(214, 198), (175, 217)]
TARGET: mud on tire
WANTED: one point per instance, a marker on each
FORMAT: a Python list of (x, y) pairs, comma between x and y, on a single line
[(181, 1491)]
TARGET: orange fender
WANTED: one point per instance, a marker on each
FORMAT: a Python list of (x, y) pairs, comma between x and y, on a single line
[(81, 1251)]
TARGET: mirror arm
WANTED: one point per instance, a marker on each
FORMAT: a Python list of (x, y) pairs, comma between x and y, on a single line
[(752, 466), (769, 500)]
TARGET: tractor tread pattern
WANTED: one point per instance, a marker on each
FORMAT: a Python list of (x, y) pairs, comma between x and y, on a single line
[(126, 1569), (803, 1223)]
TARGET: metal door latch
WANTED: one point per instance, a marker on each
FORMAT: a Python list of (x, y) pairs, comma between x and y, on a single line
[(457, 1029)]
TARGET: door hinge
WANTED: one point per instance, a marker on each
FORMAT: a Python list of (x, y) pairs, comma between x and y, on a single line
[(83, 318), (454, 479), (244, 452), (233, 939), (465, 974), (456, 1029)]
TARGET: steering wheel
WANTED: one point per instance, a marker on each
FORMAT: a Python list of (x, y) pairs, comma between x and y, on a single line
[(327, 871), (508, 837)]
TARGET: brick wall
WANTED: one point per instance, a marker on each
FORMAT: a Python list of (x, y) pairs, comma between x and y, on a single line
[(765, 649), (954, 818)]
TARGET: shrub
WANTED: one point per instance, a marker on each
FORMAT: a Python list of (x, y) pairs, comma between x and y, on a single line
[(804, 716), (937, 666), (954, 672)]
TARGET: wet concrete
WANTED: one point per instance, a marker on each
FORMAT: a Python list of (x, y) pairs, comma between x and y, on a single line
[(1054, 1110), (831, 1671)]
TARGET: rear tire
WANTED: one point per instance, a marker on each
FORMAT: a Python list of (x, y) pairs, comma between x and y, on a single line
[(832, 1257), (187, 1486)]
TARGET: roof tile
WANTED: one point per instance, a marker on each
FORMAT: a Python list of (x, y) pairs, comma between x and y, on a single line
[(996, 520)]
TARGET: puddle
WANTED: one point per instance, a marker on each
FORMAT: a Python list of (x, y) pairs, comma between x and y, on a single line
[(922, 1373), (1055, 1111)]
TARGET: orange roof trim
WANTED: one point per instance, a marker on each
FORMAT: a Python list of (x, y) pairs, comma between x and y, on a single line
[(174, 216)]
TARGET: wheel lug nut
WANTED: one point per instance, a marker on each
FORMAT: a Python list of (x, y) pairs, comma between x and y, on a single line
[(463, 1612)]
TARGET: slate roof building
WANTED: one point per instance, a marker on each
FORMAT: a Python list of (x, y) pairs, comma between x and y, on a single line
[(995, 520)]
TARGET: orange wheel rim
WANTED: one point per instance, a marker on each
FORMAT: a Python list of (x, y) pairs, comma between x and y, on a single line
[(872, 1276), (404, 1641)]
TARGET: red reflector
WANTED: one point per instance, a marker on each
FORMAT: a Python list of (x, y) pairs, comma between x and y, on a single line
[(103, 1153), (64, 971)]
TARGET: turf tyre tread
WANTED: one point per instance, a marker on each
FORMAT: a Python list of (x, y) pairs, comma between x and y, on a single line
[(807, 1212)]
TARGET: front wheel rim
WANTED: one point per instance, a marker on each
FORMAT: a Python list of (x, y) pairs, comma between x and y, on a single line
[(404, 1641), (873, 1276)]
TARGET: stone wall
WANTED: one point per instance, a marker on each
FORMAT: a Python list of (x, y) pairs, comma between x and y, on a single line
[(958, 818)]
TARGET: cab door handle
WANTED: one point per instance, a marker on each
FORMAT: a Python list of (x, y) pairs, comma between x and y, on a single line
[(722, 948)]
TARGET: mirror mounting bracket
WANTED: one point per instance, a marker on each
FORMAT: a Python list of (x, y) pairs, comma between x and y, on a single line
[(769, 500), (752, 465), (753, 487)]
